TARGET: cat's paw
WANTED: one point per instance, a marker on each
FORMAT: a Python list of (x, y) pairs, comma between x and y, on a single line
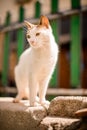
[(45, 103), (19, 97), (15, 100), (35, 104), (37, 99)]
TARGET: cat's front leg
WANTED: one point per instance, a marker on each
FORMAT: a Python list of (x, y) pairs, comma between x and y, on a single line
[(42, 91), (33, 87)]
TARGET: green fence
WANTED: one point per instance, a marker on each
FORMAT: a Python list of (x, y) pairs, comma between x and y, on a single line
[(55, 17)]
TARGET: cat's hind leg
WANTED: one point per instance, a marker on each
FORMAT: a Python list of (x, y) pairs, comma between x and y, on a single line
[(22, 85), (21, 95)]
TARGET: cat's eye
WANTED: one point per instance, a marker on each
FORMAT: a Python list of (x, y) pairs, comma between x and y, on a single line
[(28, 36), (37, 34)]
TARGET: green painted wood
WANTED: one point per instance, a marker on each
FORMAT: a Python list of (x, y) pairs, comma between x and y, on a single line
[(21, 14), (20, 34), (6, 53), (54, 25), (75, 50), (75, 4), (20, 42), (54, 80), (75, 45), (54, 6), (37, 9)]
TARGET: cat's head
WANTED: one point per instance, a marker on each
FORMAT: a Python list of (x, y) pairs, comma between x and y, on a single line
[(38, 35)]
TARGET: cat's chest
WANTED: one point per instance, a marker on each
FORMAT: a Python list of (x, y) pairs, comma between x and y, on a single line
[(43, 58), (43, 62)]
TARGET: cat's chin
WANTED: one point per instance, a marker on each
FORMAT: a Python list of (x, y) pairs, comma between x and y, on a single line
[(36, 47)]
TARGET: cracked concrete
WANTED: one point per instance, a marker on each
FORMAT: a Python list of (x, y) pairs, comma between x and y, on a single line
[(18, 116), (60, 114)]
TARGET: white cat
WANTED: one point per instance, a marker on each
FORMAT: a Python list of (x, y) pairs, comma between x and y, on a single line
[(37, 63)]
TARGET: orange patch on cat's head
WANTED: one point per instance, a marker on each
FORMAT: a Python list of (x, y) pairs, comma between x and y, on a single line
[(44, 21)]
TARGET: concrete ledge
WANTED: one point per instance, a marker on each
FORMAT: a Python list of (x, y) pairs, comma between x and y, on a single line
[(59, 116), (19, 116)]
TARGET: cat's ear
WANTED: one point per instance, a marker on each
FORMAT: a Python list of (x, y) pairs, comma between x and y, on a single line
[(44, 21), (28, 25)]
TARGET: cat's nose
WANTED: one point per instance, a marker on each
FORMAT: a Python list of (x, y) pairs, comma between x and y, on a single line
[(33, 43)]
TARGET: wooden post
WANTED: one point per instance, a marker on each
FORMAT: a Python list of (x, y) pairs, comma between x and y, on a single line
[(75, 47), (6, 53), (37, 9), (20, 34)]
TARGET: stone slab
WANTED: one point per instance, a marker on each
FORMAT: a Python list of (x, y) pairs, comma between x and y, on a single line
[(56, 123), (66, 106), (19, 116)]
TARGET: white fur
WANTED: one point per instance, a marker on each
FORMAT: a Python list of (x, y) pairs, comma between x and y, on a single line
[(36, 65)]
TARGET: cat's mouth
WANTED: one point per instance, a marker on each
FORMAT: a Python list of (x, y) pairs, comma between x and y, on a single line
[(33, 43)]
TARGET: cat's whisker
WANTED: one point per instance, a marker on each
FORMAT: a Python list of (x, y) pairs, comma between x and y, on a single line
[(26, 46), (25, 29)]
